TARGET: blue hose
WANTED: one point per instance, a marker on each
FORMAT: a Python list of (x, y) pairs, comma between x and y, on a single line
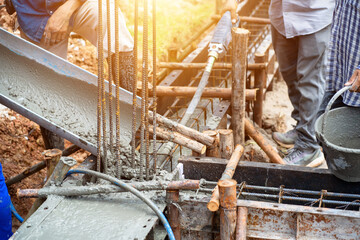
[(131, 189), (15, 213)]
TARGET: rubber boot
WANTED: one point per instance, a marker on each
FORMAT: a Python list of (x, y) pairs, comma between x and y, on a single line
[(126, 60)]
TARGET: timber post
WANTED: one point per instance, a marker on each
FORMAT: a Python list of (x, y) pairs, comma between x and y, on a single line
[(241, 223), (260, 82), (213, 151), (226, 143), (227, 191), (240, 39), (172, 197)]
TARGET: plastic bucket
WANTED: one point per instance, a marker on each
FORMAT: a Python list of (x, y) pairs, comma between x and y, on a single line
[(338, 130)]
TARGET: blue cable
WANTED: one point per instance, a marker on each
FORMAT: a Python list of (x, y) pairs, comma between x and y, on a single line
[(131, 189), (15, 213)]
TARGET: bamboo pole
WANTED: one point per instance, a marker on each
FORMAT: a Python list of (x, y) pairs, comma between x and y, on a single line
[(240, 38), (179, 139), (226, 143), (184, 130), (213, 150), (214, 202), (227, 191), (218, 65), (172, 197), (260, 83), (241, 223), (209, 92), (265, 146)]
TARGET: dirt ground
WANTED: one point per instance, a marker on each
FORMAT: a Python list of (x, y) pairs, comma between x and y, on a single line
[(21, 144)]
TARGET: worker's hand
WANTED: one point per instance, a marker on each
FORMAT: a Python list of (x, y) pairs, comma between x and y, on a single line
[(57, 27), (354, 81), (230, 5)]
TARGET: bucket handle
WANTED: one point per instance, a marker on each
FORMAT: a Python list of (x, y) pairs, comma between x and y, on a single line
[(331, 102)]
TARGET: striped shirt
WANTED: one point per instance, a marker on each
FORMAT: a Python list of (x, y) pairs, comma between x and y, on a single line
[(344, 52)]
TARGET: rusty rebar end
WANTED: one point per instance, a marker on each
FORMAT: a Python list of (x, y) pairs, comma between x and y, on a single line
[(51, 153)]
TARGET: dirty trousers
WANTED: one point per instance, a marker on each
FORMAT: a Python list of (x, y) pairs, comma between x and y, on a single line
[(84, 22), (302, 63)]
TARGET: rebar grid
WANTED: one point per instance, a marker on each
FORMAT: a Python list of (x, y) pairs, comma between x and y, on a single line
[(280, 194)]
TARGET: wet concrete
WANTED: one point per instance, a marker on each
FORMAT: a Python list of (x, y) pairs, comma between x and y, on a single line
[(56, 89)]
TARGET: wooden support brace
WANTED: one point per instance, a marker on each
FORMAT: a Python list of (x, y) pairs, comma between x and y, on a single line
[(239, 61), (226, 143), (213, 150), (241, 223), (217, 65), (209, 92), (260, 83), (214, 202), (172, 197), (265, 146), (189, 132), (227, 191), (179, 139)]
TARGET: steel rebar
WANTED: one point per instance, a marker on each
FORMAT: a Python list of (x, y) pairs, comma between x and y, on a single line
[(154, 86), (145, 70), (110, 77), (134, 107), (100, 69), (117, 85)]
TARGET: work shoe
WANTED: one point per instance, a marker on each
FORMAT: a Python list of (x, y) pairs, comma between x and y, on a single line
[(304, 157), (287, 139)]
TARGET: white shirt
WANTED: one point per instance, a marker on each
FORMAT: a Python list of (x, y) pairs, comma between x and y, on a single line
[(293, 18)]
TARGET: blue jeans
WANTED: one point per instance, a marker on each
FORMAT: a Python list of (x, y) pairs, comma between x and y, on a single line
[(5, 212)]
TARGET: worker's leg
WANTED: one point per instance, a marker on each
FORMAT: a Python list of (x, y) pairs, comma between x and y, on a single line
[(85, 22), (5, 212), (59, 49), (287, 55), (311, 70)]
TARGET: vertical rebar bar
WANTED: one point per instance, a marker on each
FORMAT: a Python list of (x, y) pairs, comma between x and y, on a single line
[(100, 67), (146, 59), (108, 27), (117, 83), (143, 91), (133, 143), (154, 87)]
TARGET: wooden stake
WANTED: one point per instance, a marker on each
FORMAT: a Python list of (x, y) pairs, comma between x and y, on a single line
[(227, 190), (239, 61), (265, 146), (214, 202), (189, 132), (260, 83), (57, 176), (210, 92), (172, 197), (241, 224), (52, 157), (226, 143), (179, 139), (217, 65), (213, 150)]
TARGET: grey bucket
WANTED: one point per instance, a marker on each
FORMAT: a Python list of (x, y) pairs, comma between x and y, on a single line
[(338, 130)]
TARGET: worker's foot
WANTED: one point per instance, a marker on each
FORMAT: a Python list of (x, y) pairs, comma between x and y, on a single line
[(287, 139), (308, 158)]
